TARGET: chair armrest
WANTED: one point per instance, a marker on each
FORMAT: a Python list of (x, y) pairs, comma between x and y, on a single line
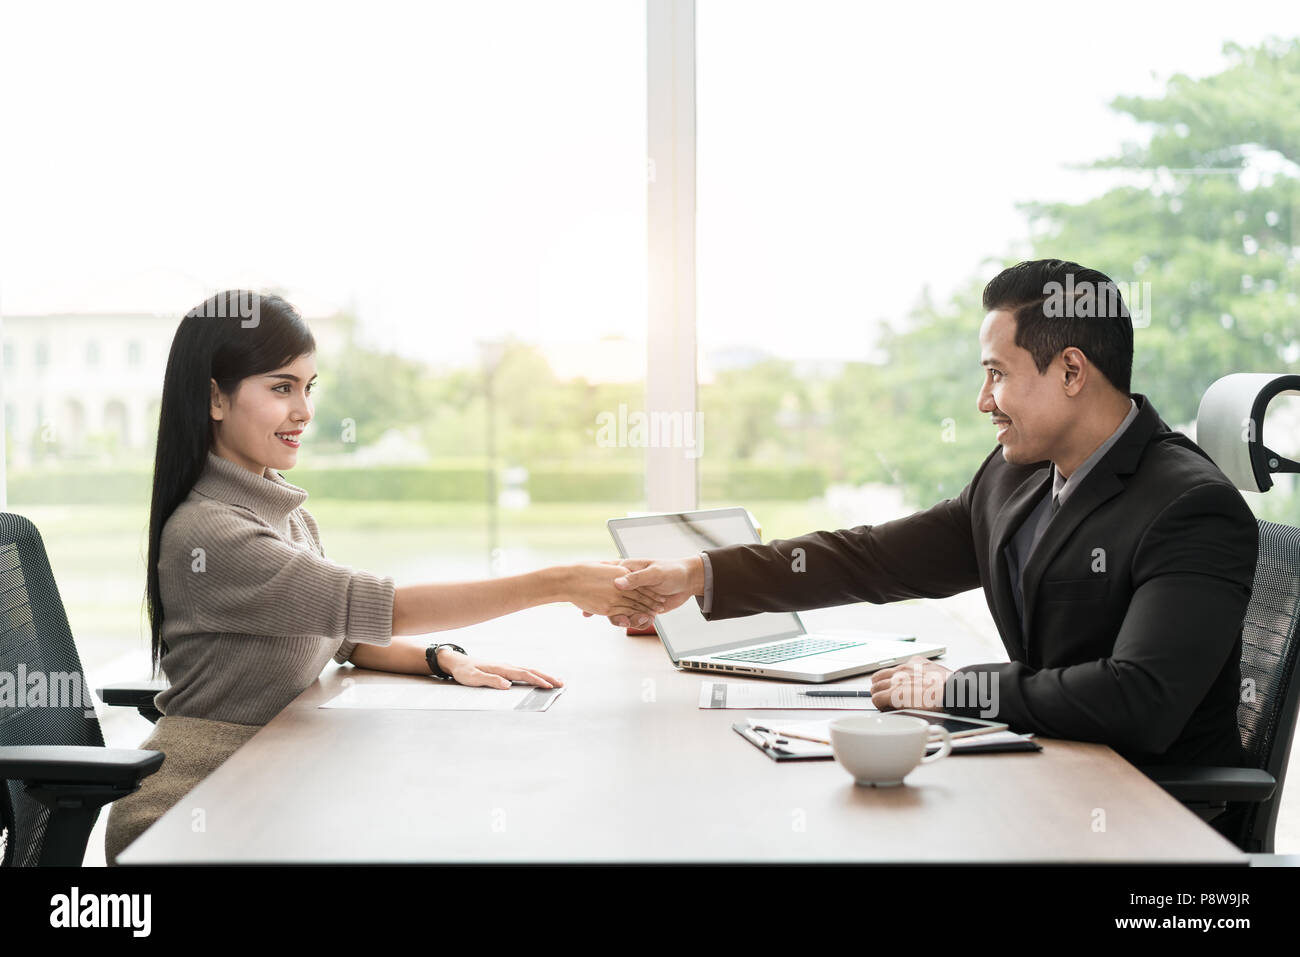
[(73, 764), (131, 694), (1213, 784)]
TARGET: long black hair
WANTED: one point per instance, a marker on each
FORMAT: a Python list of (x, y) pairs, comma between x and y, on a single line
[(229, 337)]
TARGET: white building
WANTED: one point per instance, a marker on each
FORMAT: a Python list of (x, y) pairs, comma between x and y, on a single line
[(84, 380)]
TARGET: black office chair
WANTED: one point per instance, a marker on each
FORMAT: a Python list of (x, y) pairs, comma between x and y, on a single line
[(55, 773), (1242, 803), (134, 694)]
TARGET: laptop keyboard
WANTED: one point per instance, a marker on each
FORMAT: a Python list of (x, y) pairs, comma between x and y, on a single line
[(795, 648)]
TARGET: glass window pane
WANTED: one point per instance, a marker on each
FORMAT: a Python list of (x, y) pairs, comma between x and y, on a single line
[(862, 174), (442, 190)]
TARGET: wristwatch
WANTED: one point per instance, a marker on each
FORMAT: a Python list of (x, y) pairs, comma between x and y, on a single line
[(431, 656)]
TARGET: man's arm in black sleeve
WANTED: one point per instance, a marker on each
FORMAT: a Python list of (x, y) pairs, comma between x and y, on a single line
[(930, 554)]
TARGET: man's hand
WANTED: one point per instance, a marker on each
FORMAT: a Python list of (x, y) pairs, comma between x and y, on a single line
[(666, 582), (917, 683), (670, 581), (591, 587)]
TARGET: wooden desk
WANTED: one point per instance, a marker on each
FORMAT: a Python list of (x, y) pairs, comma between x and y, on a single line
[(626, 768)]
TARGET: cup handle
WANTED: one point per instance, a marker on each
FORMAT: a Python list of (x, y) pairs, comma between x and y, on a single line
[(944, 750)]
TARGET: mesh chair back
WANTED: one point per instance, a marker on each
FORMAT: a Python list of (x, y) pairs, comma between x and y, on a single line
[(1267, 713), (48, 700)]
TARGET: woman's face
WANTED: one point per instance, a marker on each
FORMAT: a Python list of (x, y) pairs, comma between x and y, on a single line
[(248, 426)]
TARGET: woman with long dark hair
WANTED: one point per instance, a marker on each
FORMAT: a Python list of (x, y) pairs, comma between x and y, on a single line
[(244, 607)]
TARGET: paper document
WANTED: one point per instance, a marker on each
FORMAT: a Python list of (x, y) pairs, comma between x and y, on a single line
[(436, 696), (725, 694)]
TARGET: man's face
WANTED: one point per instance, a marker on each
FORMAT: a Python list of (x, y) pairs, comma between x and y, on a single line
[(1029, 410)]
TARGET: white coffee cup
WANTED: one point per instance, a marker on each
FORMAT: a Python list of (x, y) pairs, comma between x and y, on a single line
[(880, 749)]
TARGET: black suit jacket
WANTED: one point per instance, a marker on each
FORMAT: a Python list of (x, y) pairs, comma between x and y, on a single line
[(1134, 596)]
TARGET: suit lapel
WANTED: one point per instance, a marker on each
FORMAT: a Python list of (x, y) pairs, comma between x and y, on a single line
[(1009, 519), (1100, 485), (1081, 503)]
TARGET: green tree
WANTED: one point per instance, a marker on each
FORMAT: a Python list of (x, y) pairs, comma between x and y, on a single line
[(366, 393), (1211, 227)]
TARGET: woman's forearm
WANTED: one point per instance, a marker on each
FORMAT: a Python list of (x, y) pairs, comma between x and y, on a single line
[(404, 656), (419, 609)]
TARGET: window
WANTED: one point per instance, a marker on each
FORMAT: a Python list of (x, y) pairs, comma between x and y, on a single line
[(467, 242), (856, 192)]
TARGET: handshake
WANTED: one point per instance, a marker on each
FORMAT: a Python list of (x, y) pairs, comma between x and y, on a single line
[(630, 591)]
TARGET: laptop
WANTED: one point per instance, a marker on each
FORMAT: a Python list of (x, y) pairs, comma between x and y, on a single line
[(765, 645)]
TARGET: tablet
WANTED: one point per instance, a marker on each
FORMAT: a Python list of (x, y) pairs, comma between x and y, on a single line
[(955, 726)]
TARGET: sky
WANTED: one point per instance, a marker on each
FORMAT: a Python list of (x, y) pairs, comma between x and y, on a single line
[(462, 171)]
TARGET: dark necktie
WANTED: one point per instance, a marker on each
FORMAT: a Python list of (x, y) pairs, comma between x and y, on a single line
[(1017, 564)]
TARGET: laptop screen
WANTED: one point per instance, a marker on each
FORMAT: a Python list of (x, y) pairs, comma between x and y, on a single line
[(684, 630)]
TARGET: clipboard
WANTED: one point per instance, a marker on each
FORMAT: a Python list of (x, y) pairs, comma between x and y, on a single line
[(972, 746), (775, 752)]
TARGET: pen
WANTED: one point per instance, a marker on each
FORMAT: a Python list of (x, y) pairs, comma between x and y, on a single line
[(837, 694), (764, 742), (791, 734)]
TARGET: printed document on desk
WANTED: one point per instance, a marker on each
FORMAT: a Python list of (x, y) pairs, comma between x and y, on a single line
[(431, 695), (746, 697)]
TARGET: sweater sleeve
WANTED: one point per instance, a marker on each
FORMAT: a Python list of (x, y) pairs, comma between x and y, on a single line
[(344, 654), (238, 576)]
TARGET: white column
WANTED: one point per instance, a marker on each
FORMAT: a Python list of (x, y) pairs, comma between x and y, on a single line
[(671, 476), (4, 483)]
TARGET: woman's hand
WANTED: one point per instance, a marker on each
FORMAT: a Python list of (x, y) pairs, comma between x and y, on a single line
[(476, 673), (670, 581), (591, 587)]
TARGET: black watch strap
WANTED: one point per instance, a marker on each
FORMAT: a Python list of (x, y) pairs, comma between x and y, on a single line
[(431, 656)]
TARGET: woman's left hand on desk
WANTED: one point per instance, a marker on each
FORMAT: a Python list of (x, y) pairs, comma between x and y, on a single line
[(475, 672)]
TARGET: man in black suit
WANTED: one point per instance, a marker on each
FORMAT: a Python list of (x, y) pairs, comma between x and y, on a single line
[(1116, 558)]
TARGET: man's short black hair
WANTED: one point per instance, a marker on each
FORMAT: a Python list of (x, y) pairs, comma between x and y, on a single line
[(1058, 303)]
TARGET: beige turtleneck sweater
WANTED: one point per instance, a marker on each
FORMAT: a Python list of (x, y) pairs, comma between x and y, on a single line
[(252, 608)]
